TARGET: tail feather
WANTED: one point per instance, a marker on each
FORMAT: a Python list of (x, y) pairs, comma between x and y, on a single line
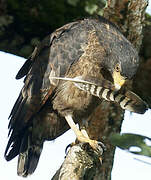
[(29, 155), (28, 161), (28, 149)]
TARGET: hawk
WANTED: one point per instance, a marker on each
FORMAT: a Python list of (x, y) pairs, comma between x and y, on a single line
[(92, 49)]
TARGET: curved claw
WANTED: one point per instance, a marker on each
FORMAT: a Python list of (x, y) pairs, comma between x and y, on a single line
[(66, 150), (102, 145), (97, 146), (69, 146)]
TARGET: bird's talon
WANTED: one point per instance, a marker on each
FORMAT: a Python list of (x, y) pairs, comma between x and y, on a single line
[(68, 146), (102, 145), (97, 146)]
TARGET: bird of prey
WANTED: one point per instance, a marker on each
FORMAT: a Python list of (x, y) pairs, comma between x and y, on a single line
[(47, 107)]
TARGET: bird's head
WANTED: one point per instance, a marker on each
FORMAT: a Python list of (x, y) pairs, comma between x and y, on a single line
[(118, 78), (122, 64)]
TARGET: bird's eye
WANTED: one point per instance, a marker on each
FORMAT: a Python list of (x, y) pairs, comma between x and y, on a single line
[(117, 68)]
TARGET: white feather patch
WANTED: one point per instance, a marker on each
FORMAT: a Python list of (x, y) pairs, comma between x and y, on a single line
[(104, 94)]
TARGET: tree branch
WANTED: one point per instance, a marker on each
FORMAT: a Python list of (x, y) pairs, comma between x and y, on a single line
[(81, 163)]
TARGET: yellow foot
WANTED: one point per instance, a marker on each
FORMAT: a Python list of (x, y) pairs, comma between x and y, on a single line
[(83, 137), (96, 145)]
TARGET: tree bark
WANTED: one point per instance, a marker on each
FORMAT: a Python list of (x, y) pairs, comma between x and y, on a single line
[(129, 16), (80, 163)]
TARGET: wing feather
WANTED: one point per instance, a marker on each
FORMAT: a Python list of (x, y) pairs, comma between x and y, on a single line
[(54, 56)]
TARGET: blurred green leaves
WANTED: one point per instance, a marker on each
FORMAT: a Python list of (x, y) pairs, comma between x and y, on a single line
[(90, 6), (133, 143), (73, 2), (30, 21)]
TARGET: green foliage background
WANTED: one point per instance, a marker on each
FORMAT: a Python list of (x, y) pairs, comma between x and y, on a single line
[(27, 22)]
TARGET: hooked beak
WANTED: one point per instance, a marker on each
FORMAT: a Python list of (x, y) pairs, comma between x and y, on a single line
[(118, 80)]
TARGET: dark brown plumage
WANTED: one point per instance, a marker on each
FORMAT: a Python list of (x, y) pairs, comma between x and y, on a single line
[(87, 48)]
